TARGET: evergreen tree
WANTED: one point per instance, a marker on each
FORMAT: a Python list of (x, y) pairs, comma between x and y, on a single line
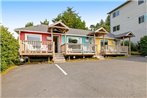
[(71, 19)]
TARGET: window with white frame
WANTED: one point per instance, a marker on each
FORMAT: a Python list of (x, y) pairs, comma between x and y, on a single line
[(33, 37), (34, 41), (141, 19), (75, 40), (116, 28), (116, 13)]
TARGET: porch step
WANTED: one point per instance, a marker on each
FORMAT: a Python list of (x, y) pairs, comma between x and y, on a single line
[(59, 58), (100, 57)]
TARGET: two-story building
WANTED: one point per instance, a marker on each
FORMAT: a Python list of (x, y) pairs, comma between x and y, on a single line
[(131, 16)]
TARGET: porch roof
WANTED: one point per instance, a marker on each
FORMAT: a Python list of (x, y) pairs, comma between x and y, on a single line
[(99, 32), (125, 35)]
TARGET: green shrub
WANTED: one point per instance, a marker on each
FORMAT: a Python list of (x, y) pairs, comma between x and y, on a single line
[(9, 49), (143, 46), (134, 46)]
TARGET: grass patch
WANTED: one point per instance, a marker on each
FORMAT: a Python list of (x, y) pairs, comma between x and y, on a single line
[(9, 69), (82, 59)]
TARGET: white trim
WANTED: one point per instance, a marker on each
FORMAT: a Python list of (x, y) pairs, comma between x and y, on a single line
[(33, 35)]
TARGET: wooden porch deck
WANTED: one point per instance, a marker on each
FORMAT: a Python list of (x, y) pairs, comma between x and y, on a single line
[(36, 48), (78, 49), (109, 50)]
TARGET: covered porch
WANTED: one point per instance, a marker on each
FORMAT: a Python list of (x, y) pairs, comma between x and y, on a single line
[(119, 48), (78, 49)]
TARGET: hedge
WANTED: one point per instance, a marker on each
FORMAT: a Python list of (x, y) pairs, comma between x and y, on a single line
[(143, 46), (9, 49)]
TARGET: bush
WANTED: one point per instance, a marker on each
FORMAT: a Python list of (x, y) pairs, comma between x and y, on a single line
[(9, 49), (143, 46), (134, 46)]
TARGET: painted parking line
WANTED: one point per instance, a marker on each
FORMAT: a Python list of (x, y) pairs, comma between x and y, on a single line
[(61, 69)]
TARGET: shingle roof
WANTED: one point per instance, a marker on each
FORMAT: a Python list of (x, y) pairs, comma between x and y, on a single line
[(120, 6), (78, 31), (39, 28), (126, 34), (44, 28), (109, 35)]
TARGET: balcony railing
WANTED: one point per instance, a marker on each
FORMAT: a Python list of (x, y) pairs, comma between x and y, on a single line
[(36, 48), (114, 50), (70, 48)]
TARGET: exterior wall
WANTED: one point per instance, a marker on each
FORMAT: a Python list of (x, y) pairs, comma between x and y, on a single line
[(128, 19), (44, 36), (98, 43), (84, 38)]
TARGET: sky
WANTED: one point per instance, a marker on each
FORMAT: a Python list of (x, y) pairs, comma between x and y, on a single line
[(15, 14)]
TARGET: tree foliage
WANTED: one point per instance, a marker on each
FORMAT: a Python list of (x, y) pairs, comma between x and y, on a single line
[(9, 48), (45, 22), (134, 46), (143, 46), (102, 23), (71, 19), (29, 24)]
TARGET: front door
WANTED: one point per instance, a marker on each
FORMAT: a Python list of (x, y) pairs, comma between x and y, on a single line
[(57, 43)]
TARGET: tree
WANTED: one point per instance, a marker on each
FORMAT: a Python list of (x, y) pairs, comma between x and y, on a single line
[(143, 46), (92, 27), (102, 23), (107, 23), (29, 24), (45, 22), (71, 19), (9, 49)]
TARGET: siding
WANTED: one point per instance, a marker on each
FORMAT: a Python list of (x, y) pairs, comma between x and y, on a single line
[(98, 43), (44, 36), (128, 20), (67, 36)]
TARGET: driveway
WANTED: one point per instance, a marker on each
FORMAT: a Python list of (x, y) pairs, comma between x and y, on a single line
[(119, 78)]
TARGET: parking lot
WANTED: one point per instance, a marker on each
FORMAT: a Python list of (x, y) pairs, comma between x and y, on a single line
[(119, 78)]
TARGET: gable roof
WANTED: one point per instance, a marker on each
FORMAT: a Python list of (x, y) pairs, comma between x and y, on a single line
[(128, 1), (101, 29), (125, 35), (58, 23), (44, 29)]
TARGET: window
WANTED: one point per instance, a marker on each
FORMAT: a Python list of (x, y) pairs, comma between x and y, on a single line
[(115, 14), (75, 40), (104, 43), (140, 2), (141, 19), (33, 37), (116, 28)]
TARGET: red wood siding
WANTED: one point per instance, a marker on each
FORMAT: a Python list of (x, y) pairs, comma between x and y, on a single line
[(44, 36)]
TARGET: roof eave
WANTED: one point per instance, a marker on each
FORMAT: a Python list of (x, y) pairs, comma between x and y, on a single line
[(119, 6)]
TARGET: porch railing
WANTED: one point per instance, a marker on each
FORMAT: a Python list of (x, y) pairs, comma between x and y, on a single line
[(78, 48), (112, 49), (36, 47)]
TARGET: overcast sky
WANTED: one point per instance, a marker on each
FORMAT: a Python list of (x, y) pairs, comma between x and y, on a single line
[(16, 14)]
